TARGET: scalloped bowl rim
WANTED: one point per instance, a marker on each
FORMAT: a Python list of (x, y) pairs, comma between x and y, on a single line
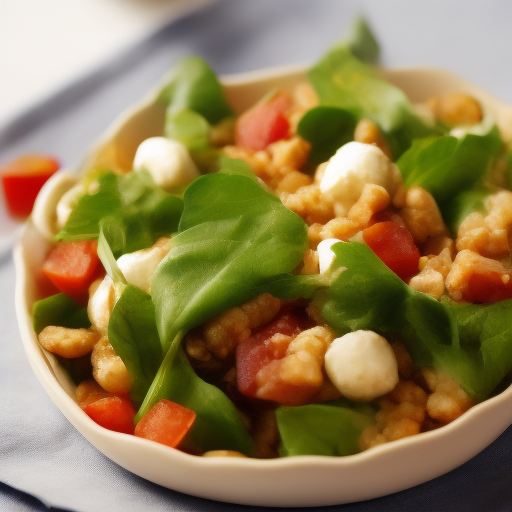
[(292, 481)]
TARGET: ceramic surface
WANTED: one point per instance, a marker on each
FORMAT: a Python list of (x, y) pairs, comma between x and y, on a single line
[(295, 481)]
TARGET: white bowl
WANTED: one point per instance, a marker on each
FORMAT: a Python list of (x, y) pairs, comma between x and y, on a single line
[(293, 481)]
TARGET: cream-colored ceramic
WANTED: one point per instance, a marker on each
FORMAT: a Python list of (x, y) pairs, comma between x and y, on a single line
[(295, 481)]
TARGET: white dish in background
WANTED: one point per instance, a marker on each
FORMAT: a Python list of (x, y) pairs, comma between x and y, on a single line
[(293, 481)]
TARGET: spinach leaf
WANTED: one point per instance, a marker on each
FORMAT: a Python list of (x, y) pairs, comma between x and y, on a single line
[(233, 237), (218, 424), (133, 334), (362, 43), (60, 310), (326, 129), (108, 225), (464, 203), (195, 101), (343, 81), (472, 343), (193, 85), (322, 429), (140, 211), (448, 165), (188, 127), (237, 167)]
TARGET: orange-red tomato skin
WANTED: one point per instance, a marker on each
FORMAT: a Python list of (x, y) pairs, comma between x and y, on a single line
[(23, 178), (394, 245), (166, 423), (263, 124), (72, 267), (113, 413)]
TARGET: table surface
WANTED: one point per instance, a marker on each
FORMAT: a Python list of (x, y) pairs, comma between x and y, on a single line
[(42, 456)]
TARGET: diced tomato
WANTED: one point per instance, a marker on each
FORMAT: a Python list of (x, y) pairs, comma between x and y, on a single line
[(113, 412), (488, 287), (255, 353), (394, 245), (72, 267), (263, 124), (22, 180), (166, 423)]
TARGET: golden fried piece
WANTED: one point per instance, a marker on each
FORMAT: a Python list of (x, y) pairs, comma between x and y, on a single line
[(448, 400), (66, 342), (368, 132), (221, 335), (108, 368), (456, 109)]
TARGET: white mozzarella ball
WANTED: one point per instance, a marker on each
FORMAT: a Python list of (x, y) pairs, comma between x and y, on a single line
[(168, 161), (352, 167), (325, 253), (101, 303), (138, 267), (362, 365)]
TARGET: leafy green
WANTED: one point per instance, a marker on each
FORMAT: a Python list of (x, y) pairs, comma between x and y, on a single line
[(60, 310), (464, 203), (108, 225), (343, 81), (472, 343), (218, 424), (237, 167), (327, 129), (188, 127), (138, 212), (233, 237), (195, 101), (133, 334), (322, 429), (362, 43), (193, 85), (447, 165)]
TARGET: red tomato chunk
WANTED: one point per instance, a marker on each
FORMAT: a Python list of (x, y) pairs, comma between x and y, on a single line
[(72, 267), (22, 180), (488, 287), (255, 352), (113, 412), (394, 245), (263, 124), (166, 423)]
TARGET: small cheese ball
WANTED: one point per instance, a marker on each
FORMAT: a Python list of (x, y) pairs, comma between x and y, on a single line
[(362, 365), (138, 267), (353, 166), (168, 161), (325, 254)]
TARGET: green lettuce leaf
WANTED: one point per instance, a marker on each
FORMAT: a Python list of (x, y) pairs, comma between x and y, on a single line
[(446, 166), (195, 100), (322, 429), (133, 335), (326, 129), (138, 212), (343, 81), (218, 424), (362, 43), (60, 310), (472, 343), (233, 238)]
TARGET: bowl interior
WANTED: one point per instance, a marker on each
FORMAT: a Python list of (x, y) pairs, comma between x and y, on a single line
[(296, 481)]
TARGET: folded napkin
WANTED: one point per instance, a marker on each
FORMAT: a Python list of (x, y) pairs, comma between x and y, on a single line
[(40, 452)]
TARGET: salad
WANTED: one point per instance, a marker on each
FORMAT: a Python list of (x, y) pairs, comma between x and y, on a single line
[(323, 273)]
